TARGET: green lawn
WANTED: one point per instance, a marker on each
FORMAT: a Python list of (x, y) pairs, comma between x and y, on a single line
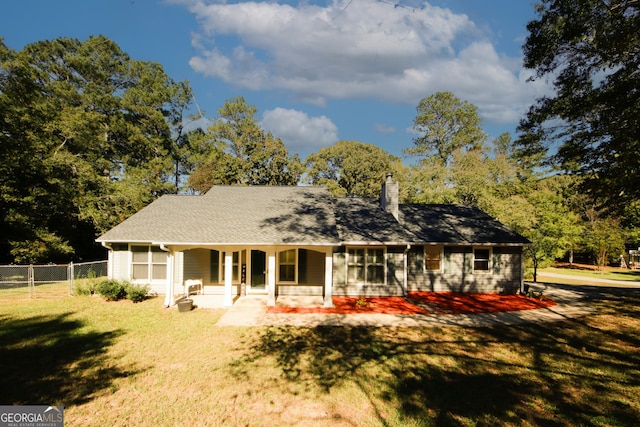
[(609, 273), (125, 364)]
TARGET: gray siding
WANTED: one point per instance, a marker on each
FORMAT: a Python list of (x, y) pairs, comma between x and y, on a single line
[(395, 270), (394, 276), (196, 265), (310, 275), (314, 268), (457, 273)]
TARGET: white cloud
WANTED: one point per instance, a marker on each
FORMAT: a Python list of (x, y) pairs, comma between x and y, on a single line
[(358, 49), (382, 128), (299, 132)]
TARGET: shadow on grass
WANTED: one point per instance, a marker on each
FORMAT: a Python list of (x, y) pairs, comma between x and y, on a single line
[(54, 360), (573, 372)]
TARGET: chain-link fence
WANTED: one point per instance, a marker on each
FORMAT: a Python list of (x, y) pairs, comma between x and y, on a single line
[(44, 281)]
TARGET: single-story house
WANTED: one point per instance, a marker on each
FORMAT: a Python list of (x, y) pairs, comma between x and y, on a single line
[(302, 241)]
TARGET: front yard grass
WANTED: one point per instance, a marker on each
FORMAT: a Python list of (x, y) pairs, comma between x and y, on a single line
[(610, 273), (125, 364)]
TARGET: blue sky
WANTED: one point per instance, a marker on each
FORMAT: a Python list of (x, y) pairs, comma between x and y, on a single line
[(318, 71)]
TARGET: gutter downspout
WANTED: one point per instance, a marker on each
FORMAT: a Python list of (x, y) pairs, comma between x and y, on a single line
[(169, 297), (405, 279), (109, 259)]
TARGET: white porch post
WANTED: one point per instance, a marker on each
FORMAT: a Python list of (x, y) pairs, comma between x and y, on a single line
[(169, 293), (271, 277), (328, 278), (228, 278)]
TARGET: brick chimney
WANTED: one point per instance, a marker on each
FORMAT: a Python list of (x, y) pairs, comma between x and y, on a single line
[(389, 196)]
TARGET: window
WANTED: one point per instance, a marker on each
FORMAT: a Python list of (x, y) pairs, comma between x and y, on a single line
[(355, 266), (481, 259), (214, 266), (287, 266), (365, 265), (375, 266), (432, 257), (235, 266), (148, 263)]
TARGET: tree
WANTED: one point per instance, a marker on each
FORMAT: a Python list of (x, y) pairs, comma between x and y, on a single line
[(589, 50), (240, 152), (630, 222), (554, 226), (86, 132), (445, 125), (352, 168), (603, 237), (450, 140)]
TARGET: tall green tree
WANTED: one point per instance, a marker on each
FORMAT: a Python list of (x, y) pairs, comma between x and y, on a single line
[(590, 50), (450, 139), (353, 168), (86, 140), (446, 125), (554, 227), (241, 152)]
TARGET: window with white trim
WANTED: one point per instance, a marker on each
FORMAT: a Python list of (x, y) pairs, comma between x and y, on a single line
[(481, 260), (148, 263), (432, 258), (365, 265), (287, 266)]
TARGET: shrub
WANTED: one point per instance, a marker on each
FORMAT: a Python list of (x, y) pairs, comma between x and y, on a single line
[(362, 303), (84, 287), (111, 290), (137, 293)]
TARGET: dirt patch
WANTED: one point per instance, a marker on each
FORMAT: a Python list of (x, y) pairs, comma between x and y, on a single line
[(424, 303)]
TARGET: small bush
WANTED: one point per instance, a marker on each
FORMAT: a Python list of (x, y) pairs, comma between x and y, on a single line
[(84, 287), (111, 290), (536, 295), (362, 303), (137, 293)]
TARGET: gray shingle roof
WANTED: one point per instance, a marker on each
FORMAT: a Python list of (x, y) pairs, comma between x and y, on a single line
[(235, 215), (264, 215), (454, 224), (363, 221)]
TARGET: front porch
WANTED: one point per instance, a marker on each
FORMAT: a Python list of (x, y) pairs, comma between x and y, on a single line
[(272, 273), (217, 301)]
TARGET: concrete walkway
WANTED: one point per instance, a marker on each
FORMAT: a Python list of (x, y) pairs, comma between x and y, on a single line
[(252, 311)]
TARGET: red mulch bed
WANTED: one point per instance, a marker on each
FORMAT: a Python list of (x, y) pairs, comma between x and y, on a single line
[(465, 303), (424, 303), (350, 305)]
